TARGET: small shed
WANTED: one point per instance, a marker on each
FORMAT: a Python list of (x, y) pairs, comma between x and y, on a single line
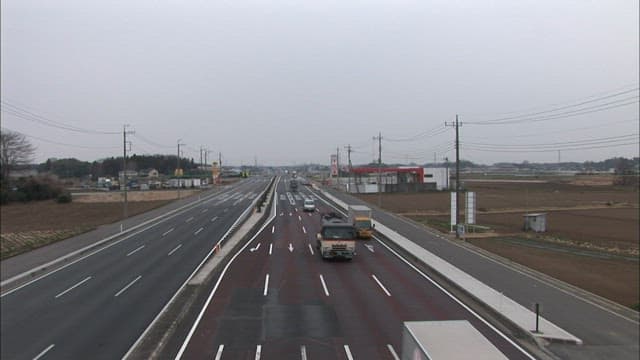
[(536, 222)]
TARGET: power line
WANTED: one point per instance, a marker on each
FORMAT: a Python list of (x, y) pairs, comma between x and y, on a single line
[(63, 144), (152, 143), (31, 116), (572, 145), (429, 133), (563, 115), (574, 103), (424, 155), (429, 150), (551, 150), (608, 124), (564, 143)]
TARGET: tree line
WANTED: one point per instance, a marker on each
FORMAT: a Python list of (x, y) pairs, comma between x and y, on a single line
[(110, 167)]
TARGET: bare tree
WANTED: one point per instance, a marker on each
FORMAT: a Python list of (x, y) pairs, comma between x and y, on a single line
[(15, 150)]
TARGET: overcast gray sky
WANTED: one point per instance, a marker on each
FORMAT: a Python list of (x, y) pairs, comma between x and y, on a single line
[(289, 81)]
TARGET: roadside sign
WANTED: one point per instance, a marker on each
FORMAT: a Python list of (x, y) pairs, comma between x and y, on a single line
[(470, 207), (453, 209)]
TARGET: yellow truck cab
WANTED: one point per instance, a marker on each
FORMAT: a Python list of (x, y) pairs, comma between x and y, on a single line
[(360, 218)]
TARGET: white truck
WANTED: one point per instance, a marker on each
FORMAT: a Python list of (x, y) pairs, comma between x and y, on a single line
[(446, 340), (337, 238), (360, 218)]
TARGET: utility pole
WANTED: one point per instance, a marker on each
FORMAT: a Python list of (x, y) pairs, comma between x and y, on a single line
[(446, 161), (178, 170), (124, 168), (200, 157), (558, 157), (379, 138), (348, 147), (457, 125)]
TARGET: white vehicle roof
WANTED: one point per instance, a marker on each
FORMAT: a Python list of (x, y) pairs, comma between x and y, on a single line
[(359, 207), (451, 340)]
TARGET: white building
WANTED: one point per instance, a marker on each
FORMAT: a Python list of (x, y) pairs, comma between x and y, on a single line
[(439, 176)]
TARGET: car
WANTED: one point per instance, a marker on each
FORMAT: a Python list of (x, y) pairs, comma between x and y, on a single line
[(309, 205)]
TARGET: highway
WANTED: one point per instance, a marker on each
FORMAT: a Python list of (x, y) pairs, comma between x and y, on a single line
[(609, 331), (96, 308), (280, 300)]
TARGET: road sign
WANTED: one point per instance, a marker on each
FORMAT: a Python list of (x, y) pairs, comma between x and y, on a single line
[(453, 209), (470, 207)]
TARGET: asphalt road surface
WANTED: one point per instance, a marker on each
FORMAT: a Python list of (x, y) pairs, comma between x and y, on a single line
[(608, 331), (97, 307), (280, 300)]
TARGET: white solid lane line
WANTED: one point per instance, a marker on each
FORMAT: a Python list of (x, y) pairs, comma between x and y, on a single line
[(303, 352), (324, 285), (135, 251), (198, 231), (310, 249), (270, 248), (189, 219), (380, 284), (167, 232), (348, 352), (258, 352), (487, 323), (393, 352), (304, 230), (174, 250), (128, 286), (214, 218), (219, 353), (73, 287), (44, 352), (266, 285)]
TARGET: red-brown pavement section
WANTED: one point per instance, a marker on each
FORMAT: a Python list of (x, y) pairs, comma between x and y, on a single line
[(296, 316)]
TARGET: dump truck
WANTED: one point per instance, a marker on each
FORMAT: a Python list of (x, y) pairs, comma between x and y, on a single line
[(337, 238), (360, 218)]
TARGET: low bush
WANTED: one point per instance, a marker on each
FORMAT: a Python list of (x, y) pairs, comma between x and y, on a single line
[(64, 198), (30, 189)]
